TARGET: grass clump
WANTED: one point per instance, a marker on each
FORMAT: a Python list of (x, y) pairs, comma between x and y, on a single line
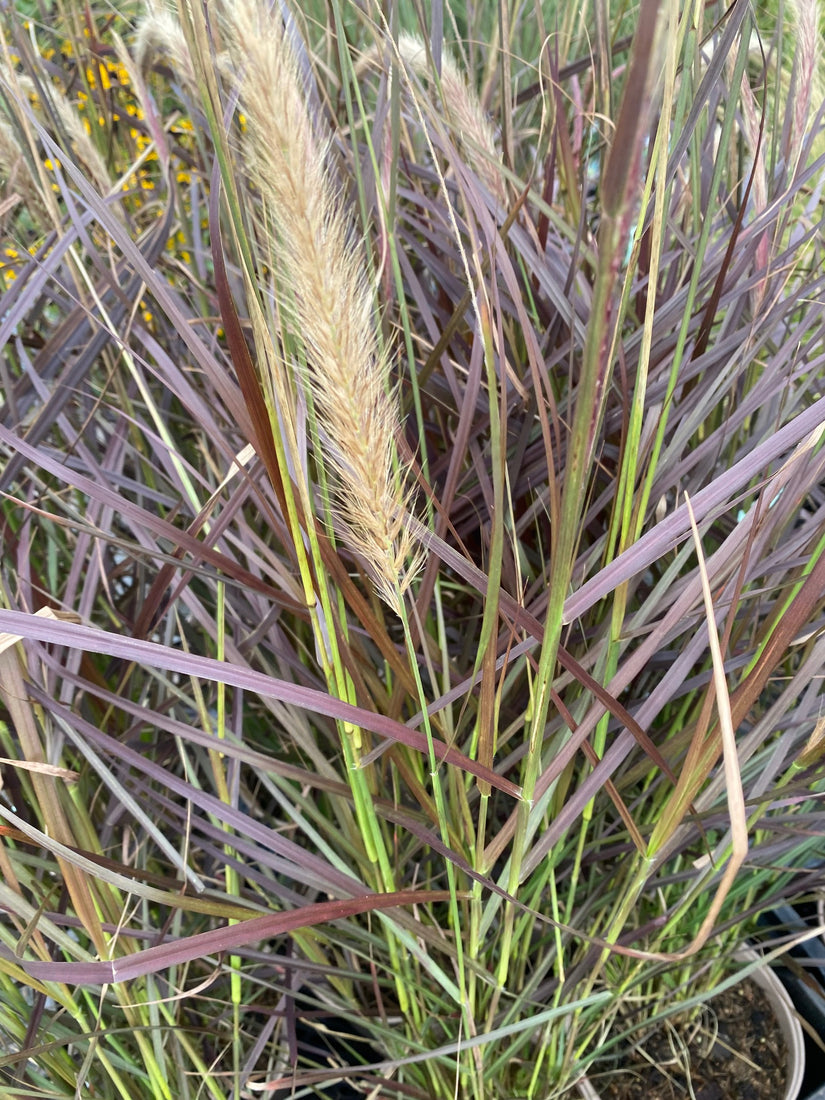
[(413, 535)]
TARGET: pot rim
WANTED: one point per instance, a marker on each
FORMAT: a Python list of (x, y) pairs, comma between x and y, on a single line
[(786, 1017)]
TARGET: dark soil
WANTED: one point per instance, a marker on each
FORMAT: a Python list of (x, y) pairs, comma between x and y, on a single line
[(734, 1051)]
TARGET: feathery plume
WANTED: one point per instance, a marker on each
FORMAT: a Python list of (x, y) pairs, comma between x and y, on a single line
[(17, 179), (750, 129), (806, 17), (331, 302), (82, 145), (160, 34), (464, 110)]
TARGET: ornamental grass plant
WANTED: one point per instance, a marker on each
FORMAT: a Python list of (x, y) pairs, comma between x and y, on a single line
[(413, 535)]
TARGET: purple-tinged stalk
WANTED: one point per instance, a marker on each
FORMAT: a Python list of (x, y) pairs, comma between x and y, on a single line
[(619, 188)]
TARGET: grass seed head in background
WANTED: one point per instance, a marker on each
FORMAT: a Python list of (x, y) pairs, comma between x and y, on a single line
[(301, 306), (467, 118)]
